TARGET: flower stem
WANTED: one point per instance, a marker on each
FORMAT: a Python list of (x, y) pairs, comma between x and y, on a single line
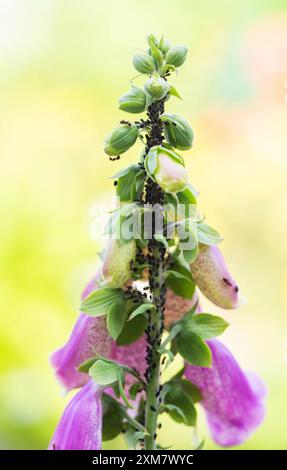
[(154, 196), (154, 339)]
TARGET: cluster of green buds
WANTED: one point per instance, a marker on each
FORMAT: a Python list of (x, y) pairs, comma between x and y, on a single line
[(160, 60)]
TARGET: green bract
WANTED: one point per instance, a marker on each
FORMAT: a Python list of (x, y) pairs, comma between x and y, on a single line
[(176, 56), (143, 63), (157, 88), (121, 139), (166, 168), (164, 45), (177, 131), (133, 101)]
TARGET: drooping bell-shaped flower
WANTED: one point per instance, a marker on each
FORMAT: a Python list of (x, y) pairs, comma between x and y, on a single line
[(232, 399), (166, 168), (88, 338), (211, 275), (80, 427), (117, 262)]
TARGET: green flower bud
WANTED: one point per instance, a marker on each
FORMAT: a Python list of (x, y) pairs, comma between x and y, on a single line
[(133, 101), (157, 88), (164, 45), (166, 168), (177, 131), (152, 40), (176, 56), (143, 63), (121, 139), (117, 262)]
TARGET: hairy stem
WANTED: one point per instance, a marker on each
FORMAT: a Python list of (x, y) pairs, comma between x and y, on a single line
[(154, 196)]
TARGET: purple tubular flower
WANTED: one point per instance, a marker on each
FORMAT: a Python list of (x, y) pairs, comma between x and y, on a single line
[(80, 427), (131, 355), (88, 338), (211, 275), (232, 399)]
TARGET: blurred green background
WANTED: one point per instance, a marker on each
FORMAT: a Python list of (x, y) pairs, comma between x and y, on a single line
[(63, 65)]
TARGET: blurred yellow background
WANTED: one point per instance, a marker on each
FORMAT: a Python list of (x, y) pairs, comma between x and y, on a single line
[(63, 65)]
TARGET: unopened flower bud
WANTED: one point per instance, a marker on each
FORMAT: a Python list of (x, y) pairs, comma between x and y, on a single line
[(121, 139), (166, 168), (176, 56), (133, 101), (164, 45), (157, 88), (117, 262), (211, 275), (143, 63), (177, 131)]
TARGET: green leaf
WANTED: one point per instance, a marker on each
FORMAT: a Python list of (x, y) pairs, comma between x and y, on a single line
[(191, 390), (178, 398), (174, 331), (112, 418), (135, 389), (114, 414), (130, 183), (180, 281), (175, 412), (122, 389), (207, 235), (104, 372), (100, 301), (190, 255), (175, 274), (205, 325), (187, 196), (173, 92), (86, 365), (141, 310), (116, 319), (123, 172), (133, 422), (193, 349), (132, 330)]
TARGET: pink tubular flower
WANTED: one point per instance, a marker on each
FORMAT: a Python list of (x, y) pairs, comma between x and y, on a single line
[(88, 338), (232, 399), (80, 427), (211, 275)]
